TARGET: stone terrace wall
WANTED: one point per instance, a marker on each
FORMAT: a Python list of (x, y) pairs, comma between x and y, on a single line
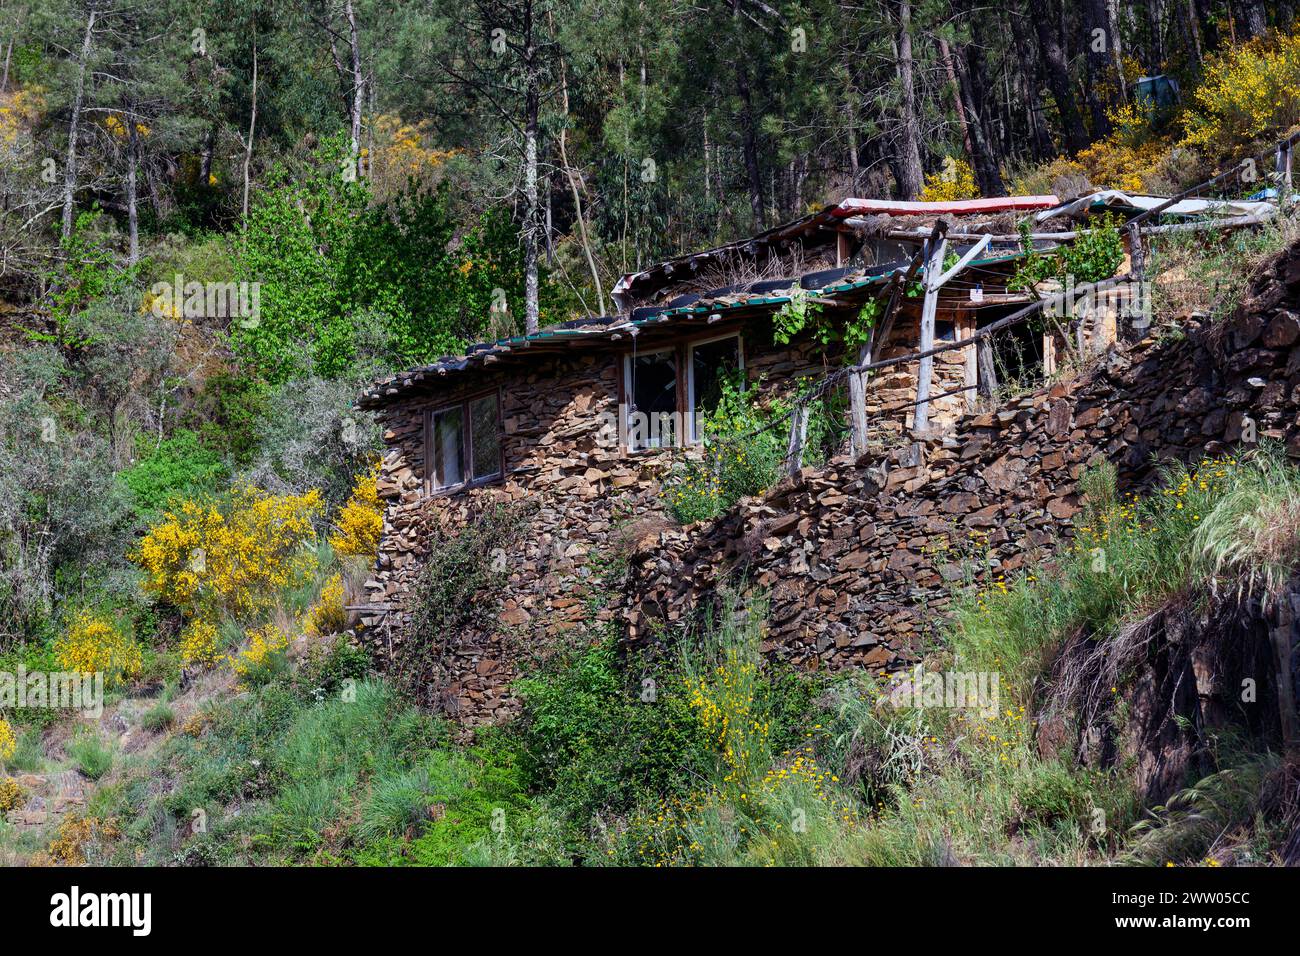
[(859, 558)]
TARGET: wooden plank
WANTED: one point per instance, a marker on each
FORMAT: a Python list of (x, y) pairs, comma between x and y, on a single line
[(965, 325), (858, 407), (961, 263), (1228, 222)]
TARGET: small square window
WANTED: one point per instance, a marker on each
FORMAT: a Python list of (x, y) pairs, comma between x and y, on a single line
[(464, 443)]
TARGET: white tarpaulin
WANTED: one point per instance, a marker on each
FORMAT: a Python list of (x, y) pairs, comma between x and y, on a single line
[(1184, 207)]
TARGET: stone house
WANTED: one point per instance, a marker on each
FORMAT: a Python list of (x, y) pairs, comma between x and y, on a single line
[(584, 419)]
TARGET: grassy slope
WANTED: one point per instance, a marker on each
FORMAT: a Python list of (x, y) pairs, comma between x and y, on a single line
[(725, 763)]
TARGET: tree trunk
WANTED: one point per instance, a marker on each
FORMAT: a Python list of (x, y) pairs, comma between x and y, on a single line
[(908, 169), (854, 169), (532, 106), (571, 176), (1058, 75), (1096, 17), (1251, 17), (358, 101), (972, 85), (252, 129), (70, 168), (132, 204), (1040, 137), (945, 54)]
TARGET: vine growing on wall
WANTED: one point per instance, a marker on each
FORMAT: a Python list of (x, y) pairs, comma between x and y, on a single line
[(454, 591), (1094, 255)]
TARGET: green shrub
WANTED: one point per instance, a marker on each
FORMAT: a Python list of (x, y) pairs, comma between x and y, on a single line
[(596, 738), (227, 415), (91, 754), (176, 467), (158, 717), (738, 458), (1128, 554), (478, 813), (30, 755), (744, 448), (1094, 255)]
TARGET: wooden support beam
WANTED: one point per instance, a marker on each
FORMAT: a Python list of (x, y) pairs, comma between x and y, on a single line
[(858, 405), (925, 369), (961, 263), (987, 376), (842, 252), (1228, 222)]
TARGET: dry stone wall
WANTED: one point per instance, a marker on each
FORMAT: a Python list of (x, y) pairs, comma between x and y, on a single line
[(859, 558)]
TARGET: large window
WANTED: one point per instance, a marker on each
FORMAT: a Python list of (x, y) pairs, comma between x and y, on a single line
[(651, 387), (464, 443), (662, 410)]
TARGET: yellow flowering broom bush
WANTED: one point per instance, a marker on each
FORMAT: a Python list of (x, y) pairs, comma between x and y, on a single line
[(329, 615), (236, 554), (12, 795), (954, 182), (8, 741), (1247, 91), (95, 644), (361, 519), (199, 644), (1128, 157), (263, 644), (760, 809)]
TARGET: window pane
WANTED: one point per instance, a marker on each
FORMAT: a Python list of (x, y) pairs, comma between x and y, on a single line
[(485, 439), (712, 364), (653, 414), (447, 435)]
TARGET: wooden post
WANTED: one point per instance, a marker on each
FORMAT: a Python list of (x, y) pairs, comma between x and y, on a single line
[(988, 376), (798, 434), (925, 369), (858, 403)]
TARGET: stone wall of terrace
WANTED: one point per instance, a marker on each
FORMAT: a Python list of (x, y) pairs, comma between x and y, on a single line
[(860, 558)]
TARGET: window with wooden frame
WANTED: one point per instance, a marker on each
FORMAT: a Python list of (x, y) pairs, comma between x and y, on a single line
[(651, 399), (662, 410), (463, 444)]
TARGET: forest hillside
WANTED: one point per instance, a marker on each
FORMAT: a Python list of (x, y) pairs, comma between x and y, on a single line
[(222, 220)]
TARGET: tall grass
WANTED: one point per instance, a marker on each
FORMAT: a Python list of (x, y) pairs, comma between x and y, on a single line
[(1215, 521), (1209, 272)]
